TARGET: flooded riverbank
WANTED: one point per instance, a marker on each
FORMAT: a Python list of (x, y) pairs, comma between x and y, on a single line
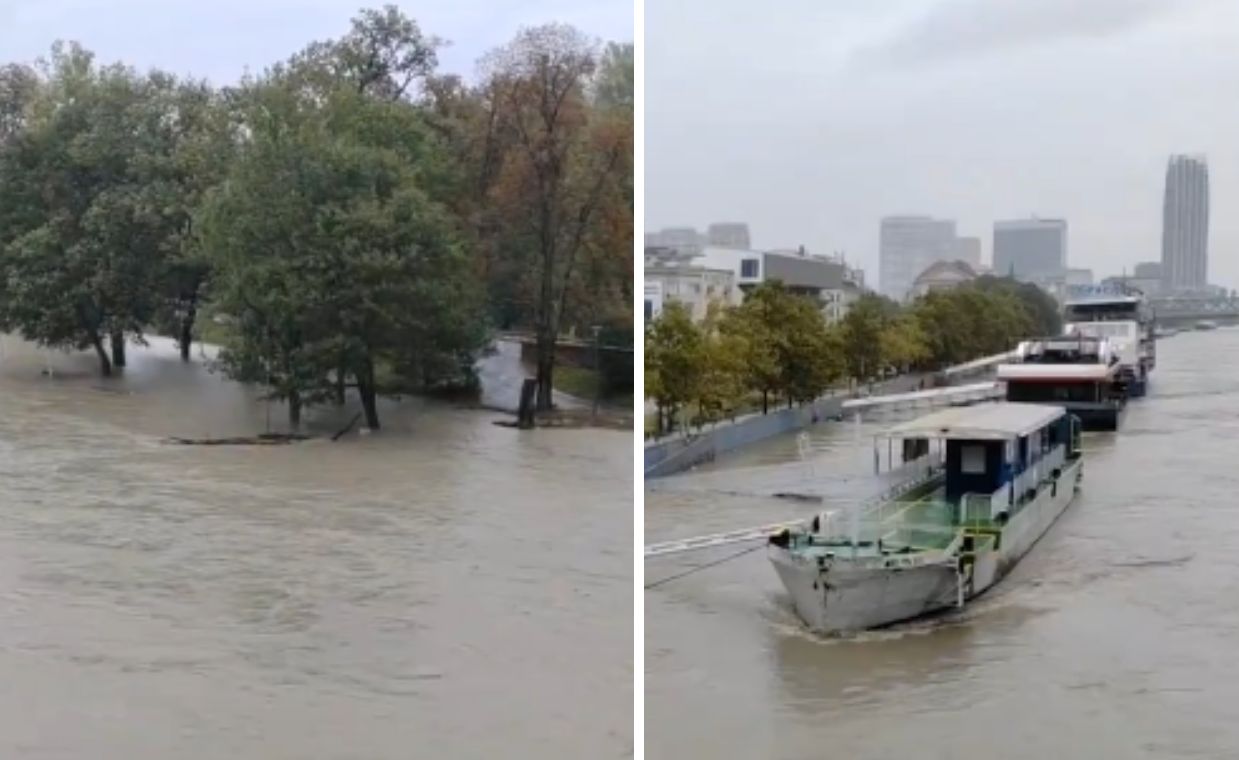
[(444, 588), (1110, 639)]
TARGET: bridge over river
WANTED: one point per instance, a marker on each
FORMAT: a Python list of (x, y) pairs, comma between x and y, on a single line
[(1183, 311)]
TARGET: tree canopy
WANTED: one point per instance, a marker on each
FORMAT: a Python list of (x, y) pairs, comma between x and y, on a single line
[(776, 345), (355, 217)]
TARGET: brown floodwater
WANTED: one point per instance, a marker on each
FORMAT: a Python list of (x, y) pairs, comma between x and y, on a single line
[(443, 588), (1114, 638)]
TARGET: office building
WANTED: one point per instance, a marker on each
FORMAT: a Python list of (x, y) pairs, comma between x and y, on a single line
[(907, 245), (1033, 250), (1185, 225), (729, 235)]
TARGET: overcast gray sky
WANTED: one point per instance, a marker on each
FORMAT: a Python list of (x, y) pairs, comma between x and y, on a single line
[(217, 39), (811, 120)]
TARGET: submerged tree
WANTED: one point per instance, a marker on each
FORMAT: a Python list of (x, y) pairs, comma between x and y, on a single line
[(333, 255), (90, 207), (554, 178)]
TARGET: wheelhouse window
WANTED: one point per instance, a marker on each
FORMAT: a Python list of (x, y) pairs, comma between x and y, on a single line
[(972, 459)]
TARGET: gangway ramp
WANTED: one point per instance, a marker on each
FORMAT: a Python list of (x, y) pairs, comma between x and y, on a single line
[(970, 393)]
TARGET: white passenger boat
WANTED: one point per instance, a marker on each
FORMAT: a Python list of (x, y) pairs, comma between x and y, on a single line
[(1078, 373), (1007, 471), (1127, 321)]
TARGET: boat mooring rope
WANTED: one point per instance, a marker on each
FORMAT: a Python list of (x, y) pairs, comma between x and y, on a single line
[(706, 566)]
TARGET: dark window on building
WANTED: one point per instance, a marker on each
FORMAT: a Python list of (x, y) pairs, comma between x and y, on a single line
[(748, 268), (649, 310)]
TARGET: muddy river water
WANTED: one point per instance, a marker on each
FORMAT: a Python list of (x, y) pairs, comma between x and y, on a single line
[(1117, 637), (444, 588)]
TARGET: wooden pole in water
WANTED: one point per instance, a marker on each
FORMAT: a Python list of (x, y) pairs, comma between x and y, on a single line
[(524, 413), (268, 399), (855, 527)]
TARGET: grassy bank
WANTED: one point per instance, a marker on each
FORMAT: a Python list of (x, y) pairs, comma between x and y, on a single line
[(583, 384)]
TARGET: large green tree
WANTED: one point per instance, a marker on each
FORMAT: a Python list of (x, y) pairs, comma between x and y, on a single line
[(89, 206), (862, 329), (674, 363), (789, 350), (333, 253)]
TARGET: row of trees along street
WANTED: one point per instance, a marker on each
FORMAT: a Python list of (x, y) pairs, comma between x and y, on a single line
[(354, 217), (777, 346)]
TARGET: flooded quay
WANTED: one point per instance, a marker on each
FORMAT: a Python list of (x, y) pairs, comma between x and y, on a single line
[(397, 595), (1112, 638)]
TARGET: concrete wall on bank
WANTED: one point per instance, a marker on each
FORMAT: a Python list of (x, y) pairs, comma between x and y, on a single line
[(678, 454)]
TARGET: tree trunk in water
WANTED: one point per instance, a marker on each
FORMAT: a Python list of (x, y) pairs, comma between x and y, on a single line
[(546, 369), (365, 387), (105, 364), (187, 331), (118, 349), (294, 410), (765, 402)]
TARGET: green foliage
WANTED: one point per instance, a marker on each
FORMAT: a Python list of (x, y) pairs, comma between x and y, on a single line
[(904, 344), (674, 350), (778, 345), (90, 205), (969, 322), (613, 86), (333, 255), (340, 210), (863, 327), (1041, 307)]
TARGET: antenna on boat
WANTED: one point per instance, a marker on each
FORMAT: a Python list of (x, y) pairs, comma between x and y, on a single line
[(804, 448)]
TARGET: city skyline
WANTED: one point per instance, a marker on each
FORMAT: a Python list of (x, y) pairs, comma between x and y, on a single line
[(955, 247), (861, 111)]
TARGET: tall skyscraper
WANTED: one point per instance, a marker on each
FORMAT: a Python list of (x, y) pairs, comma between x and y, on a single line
[(729, 235), (907, 245), (1185, 224), (1031, 249)]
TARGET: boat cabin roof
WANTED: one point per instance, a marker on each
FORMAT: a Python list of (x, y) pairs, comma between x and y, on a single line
[(984, 422), (1099, 300), (1054, 372)]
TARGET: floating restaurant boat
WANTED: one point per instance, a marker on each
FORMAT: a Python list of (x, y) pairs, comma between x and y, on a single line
[(1001, 476), (1127, 320), (1078, 373)]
